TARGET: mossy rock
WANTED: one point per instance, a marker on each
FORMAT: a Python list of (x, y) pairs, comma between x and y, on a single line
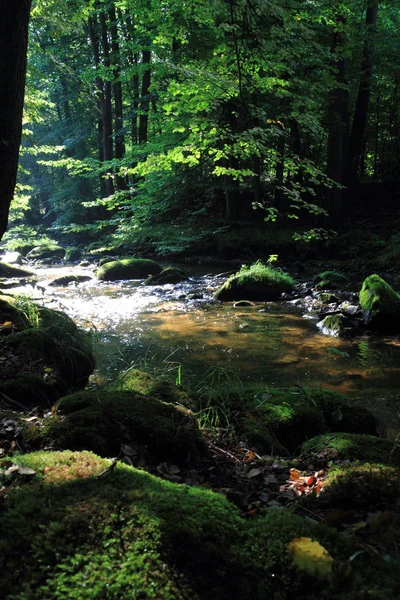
[(53, 251), (168, 275), (54, 358), (334, 325), (11, 318), (354, 447), (358, 486), (257, 282), (132, 535), (341, 414), (327, 298), (330, 280), (102, 421), (128, 268), (280, 420), (143, 382), (67, 279), (380, 305), (8, 271), (73, 253)]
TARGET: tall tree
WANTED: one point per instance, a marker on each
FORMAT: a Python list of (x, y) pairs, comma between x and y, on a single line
[(13, 52)]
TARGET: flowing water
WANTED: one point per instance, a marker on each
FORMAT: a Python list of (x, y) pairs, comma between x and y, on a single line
[(180, 329)]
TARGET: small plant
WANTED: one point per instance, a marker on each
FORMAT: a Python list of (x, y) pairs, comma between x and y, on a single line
[(29, 308)]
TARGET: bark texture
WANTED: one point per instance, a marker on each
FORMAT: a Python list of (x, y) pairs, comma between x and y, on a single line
[(13, 51)]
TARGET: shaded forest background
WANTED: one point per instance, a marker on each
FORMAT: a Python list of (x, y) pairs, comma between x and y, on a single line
[(163, 125)]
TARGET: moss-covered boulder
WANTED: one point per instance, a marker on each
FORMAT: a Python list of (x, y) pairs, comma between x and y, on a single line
[(102, 421), (73, 253), (168, 275), (67, 279), (11, 318), (52, 251), (132, 535), (380, 305), (334, 325), (43, 357), (128, 268), (365, 487), (257, 282), (279, 420), (143, 382), (330, 280), (353, 447), (327, 298), (7, 271)]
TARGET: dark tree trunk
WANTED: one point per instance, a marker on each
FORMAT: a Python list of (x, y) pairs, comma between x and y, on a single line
[(107, 114), (117, 92), (13, 49), (338, 131), (92, 24), (145, 98), (361, 110)]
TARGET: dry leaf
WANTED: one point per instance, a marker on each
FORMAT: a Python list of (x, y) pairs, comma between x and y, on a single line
[(254, 473), (311, 557), (294, 474)]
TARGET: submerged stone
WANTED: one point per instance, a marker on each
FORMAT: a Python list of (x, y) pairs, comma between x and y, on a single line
[(67, 279), (380, 305), (128, 268), (168, 275)]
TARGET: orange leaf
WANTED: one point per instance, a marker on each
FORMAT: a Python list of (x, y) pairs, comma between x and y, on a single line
[(295, 474)]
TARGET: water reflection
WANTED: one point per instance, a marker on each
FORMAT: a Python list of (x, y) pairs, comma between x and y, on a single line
[(182, 326)]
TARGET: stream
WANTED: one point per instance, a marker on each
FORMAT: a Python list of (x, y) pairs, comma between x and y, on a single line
[(181, 330)]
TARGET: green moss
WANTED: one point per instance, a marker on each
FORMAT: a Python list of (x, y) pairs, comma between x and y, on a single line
[(334, 325), (362, 487), (9, 313), (280, 420), (168, 275), (142, 382), (55, 357), (101, 421), (131, 535), (327, 298), (128, 268), (330, 280), (380, 304), (46, 251), (73, 253), (350, 446), (257, 282), (7, 271)]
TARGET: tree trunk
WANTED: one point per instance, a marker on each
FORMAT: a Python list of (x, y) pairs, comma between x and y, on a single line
[(338, 131), (361, 110), (13, 50), (145, 98), (107, 118), (117, 92)]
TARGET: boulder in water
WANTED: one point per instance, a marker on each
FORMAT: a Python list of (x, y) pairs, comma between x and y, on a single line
[(380, 305), (128, 268)]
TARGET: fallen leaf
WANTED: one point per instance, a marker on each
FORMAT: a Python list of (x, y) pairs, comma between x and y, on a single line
[(294, 474), (310, 480), (253, 473), (311, 557)]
